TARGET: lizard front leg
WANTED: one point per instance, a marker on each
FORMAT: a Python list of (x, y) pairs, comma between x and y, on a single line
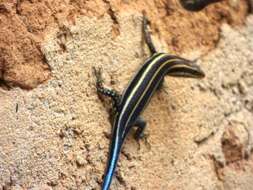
[(147, 35)]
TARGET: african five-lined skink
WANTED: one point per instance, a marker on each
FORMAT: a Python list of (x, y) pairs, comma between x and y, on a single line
[(137, 95)]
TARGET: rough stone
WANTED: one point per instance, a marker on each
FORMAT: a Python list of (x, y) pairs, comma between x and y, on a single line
[(33, 153)]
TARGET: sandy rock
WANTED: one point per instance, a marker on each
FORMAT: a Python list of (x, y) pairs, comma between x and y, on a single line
[(54, 136)]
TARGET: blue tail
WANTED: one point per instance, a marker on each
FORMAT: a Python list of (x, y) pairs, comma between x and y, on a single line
[(115, 148)]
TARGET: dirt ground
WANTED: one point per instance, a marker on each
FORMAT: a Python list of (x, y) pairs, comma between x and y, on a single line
[(56, 134)]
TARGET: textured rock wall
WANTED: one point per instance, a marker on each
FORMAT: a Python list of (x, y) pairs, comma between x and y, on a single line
[(25, 24), (56, 136)]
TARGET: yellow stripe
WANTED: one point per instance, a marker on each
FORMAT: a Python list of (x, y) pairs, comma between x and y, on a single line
[(138, 84), (136, 75), (179, 65), (145, 88), (114, 151)]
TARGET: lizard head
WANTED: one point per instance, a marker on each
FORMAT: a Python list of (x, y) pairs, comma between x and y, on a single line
[(185, 68)]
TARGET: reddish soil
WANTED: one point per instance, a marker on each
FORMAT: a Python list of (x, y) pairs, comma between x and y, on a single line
[(24, 24)]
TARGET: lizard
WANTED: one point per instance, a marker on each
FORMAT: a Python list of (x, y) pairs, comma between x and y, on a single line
[(136, 96)]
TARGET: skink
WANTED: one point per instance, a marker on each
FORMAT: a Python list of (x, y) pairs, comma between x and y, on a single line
[(137, 95)]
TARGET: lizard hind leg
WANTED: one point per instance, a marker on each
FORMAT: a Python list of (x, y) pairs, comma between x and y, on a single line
[(141, 126)]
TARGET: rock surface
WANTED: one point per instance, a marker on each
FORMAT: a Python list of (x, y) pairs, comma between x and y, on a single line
[(25, 24), (200, 131)]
